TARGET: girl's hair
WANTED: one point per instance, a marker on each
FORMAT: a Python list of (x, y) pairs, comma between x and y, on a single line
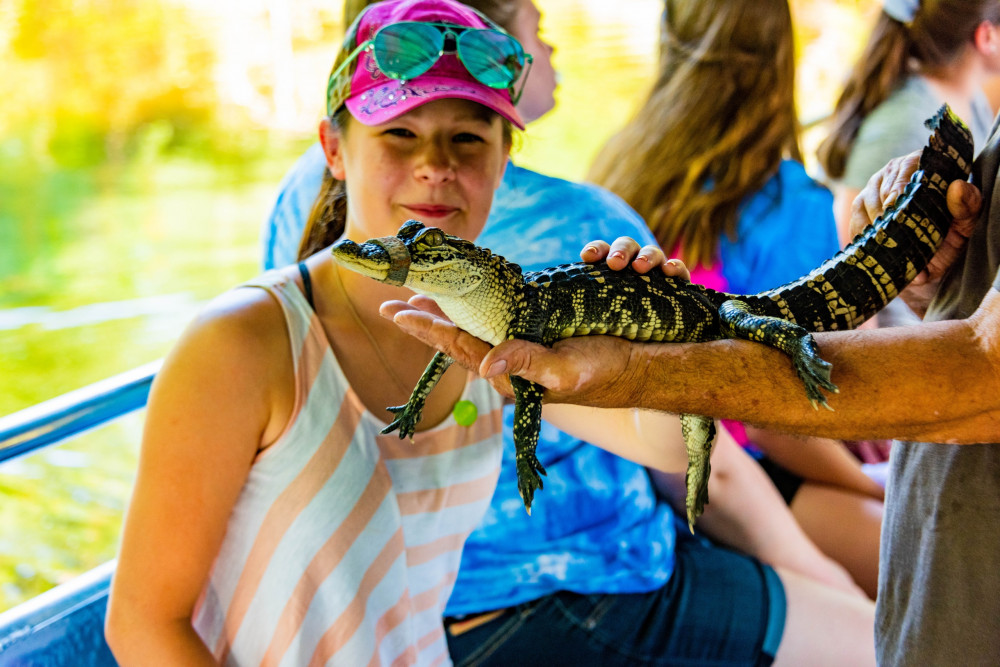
[(939, 31), (716, 125), (329, 213)]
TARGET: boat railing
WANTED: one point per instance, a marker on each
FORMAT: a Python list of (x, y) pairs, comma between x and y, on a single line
[(65, 625)]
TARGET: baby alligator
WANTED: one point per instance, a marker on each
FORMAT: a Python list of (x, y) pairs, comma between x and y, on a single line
[(491, 298)]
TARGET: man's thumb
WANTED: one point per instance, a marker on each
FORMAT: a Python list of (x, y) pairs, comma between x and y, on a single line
[(511, 356), (964, 200)]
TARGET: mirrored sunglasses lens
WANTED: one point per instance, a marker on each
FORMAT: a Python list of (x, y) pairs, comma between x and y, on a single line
[(407, 50), (492, 57)]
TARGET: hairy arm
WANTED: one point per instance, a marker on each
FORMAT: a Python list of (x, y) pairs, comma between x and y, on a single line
[(882, 375), (208, 413)]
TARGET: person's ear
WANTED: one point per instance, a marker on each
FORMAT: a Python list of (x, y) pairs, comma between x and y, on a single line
[(332, 140), (987, 38)]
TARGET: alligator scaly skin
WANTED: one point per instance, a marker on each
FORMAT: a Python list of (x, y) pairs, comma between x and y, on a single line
[(489, 297)]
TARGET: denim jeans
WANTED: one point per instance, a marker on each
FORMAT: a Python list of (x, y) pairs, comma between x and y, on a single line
[(719, 608)]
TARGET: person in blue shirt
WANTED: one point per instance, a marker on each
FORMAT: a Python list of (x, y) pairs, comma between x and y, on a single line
[(711, 161), (602, 572)]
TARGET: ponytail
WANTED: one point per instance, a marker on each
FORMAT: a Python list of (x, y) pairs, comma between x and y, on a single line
[(328, 216)]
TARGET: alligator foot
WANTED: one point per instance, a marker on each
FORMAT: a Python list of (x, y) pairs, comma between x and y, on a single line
[(529, 471), (699, 438), (813, 371), (407, 418)]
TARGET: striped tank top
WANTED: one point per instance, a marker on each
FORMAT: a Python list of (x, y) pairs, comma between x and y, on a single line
[(344, 544)]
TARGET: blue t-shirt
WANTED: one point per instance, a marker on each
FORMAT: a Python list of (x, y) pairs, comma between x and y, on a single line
[(784, 231), (283, 228), (597, 526)]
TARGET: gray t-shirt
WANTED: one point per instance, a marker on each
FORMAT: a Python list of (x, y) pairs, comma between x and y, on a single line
[(939, 576), (896, 127)]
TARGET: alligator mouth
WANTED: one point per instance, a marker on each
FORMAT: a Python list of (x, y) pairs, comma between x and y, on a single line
[(385, 259)]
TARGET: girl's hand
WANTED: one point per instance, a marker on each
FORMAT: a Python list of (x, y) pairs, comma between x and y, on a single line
[(643, 259)]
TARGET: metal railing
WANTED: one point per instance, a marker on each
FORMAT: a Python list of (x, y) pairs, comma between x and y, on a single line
[(65, 624), (75, 413)]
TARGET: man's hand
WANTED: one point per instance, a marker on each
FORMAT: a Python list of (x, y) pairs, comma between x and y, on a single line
[(625, 250), (421, 318), (964, 203)]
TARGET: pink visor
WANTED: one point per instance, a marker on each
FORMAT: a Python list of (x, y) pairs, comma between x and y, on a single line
[(374, 98)]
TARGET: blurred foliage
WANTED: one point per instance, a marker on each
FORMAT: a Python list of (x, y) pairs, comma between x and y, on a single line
[(112, 81), (98, 81)]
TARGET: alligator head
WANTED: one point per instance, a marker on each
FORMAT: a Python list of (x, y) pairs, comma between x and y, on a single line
[(470, 284)]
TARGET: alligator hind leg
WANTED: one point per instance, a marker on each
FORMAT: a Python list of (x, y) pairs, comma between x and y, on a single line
[(408, 416), (527, 423), (790, 338), (699, 437)]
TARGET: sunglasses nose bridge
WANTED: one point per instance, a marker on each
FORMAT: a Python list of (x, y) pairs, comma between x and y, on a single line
[(449, 41)]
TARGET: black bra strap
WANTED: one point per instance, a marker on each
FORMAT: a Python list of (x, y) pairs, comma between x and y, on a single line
[(307, 284)]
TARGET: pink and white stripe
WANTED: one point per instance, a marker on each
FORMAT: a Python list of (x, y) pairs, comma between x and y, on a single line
[(344, 544)]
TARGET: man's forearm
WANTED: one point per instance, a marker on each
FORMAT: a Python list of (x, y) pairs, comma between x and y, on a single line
[(934, 381)]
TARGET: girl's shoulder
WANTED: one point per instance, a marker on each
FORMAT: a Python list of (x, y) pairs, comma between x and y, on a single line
[(244, 328)]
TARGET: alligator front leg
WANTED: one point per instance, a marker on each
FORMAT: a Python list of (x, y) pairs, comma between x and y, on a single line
[(527, 423), (408, 416), (790, 338), (699, 437)]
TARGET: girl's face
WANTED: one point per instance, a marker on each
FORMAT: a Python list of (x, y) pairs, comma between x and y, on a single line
[(439, 164), (539, 92)]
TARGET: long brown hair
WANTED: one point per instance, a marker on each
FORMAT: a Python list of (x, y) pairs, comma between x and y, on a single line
[(719, 119), (939, 31), (328, 216)]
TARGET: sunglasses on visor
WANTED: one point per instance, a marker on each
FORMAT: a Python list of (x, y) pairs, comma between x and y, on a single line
[(407, 49)]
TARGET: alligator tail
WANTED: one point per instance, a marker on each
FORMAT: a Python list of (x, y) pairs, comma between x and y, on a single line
[(861, 279)]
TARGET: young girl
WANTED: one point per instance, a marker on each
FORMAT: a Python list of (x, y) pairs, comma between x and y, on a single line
[(918, 56), (270, 522)]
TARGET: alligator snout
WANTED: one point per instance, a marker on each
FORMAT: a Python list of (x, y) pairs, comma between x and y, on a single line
[(385, 259)]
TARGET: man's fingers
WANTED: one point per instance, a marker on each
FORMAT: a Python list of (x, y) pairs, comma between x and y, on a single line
[(428, 305), (881, 191), (623, 250), (677, 269), (437, 332), (595, 251), (513, 357)]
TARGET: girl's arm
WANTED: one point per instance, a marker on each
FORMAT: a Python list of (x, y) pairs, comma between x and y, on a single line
[(210, 408), (650, 438), (745, 512)]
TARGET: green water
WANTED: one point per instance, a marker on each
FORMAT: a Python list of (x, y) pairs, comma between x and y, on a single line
[(99, 272)]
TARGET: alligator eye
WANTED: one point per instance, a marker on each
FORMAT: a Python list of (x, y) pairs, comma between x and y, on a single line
[(430, 236)]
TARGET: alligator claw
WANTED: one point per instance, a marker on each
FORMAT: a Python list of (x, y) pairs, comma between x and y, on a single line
[(696, 481), (406, 420), (529, 479), (814, 373)]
